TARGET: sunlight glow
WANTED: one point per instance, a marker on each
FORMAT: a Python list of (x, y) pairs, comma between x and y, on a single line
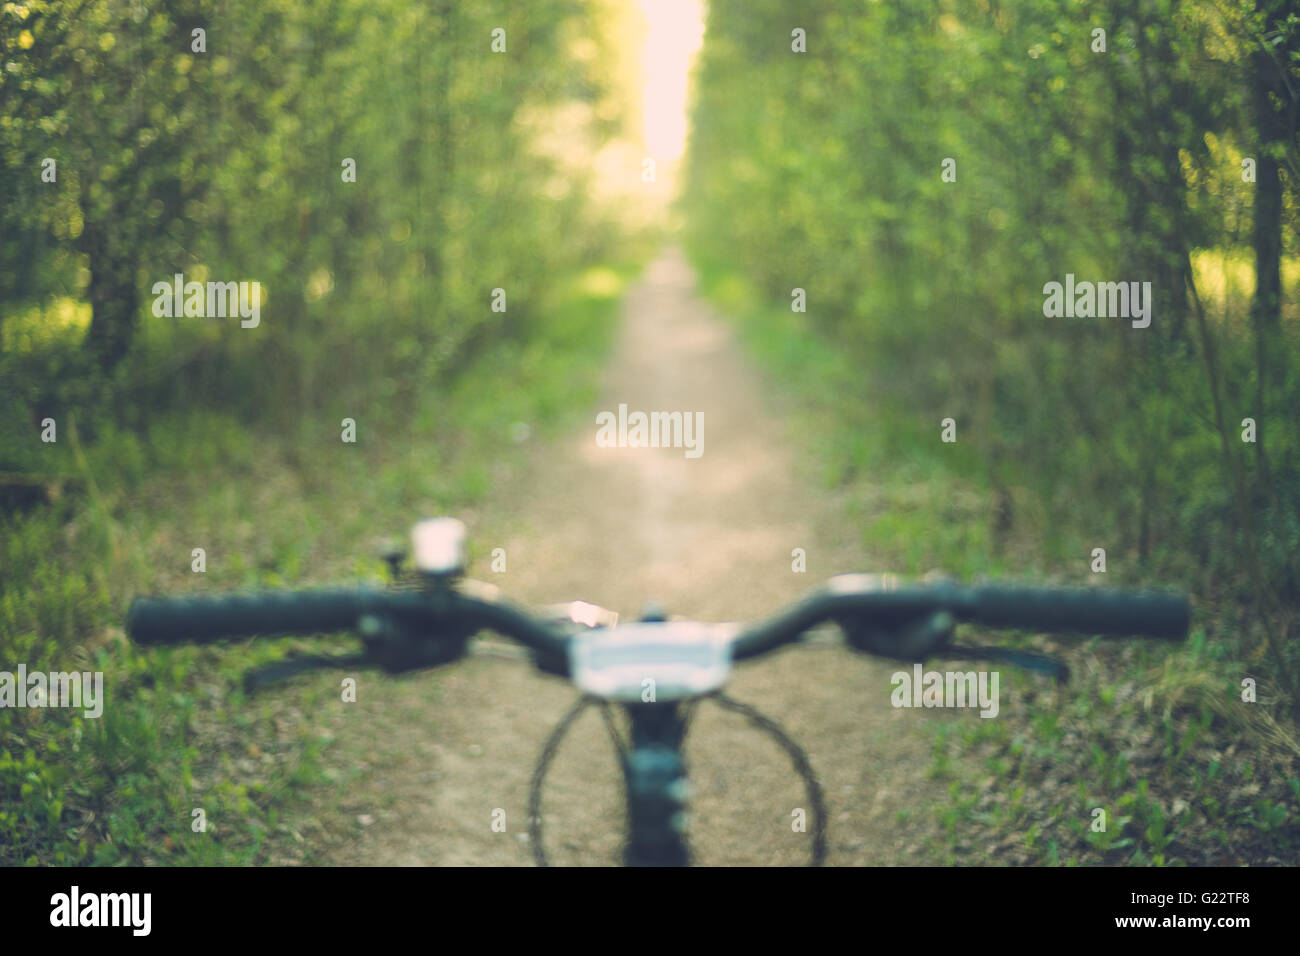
[(675, 31)]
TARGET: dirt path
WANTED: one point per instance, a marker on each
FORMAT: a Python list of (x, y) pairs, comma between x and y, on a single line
[(710, 538)]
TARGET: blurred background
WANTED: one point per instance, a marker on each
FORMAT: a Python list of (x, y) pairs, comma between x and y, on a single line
[(548, 149)]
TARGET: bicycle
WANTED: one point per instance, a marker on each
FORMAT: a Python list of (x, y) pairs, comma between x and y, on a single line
[(656, 669)]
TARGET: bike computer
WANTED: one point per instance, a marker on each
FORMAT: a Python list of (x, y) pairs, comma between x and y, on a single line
[(652, 661)]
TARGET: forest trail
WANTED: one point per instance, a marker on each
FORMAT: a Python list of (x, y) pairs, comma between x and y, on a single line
[(430, 759)]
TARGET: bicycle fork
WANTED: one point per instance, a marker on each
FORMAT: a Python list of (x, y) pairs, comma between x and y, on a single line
[(657, 788)]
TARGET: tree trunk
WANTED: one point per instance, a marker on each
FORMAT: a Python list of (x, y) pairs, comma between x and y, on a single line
[(1270, 128), (114, 298)]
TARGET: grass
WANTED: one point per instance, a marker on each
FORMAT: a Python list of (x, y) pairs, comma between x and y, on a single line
[(184, 768), (1153, 743)]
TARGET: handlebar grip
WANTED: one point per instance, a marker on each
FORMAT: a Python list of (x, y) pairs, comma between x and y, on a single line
[(1083, 610), (198, 620)]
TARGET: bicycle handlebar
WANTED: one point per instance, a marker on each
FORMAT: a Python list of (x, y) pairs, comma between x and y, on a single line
[(876, 601), (205, 618), (872, 602), (1082, 610), (412, 628)]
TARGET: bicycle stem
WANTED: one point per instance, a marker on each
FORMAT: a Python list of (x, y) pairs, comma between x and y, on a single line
[(655, 775)]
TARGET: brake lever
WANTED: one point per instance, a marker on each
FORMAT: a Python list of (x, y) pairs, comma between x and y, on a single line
[(280, 671), (930, 636), (1029, 660)]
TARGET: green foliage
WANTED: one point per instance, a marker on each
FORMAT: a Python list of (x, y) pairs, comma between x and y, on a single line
[(823, 171), (227, 164)]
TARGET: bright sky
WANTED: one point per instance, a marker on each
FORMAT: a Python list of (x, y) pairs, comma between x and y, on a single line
[(675, 30)]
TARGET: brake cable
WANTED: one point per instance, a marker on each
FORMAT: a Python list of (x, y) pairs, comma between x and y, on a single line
[(539, 774), (607, 712), (801, 766)]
